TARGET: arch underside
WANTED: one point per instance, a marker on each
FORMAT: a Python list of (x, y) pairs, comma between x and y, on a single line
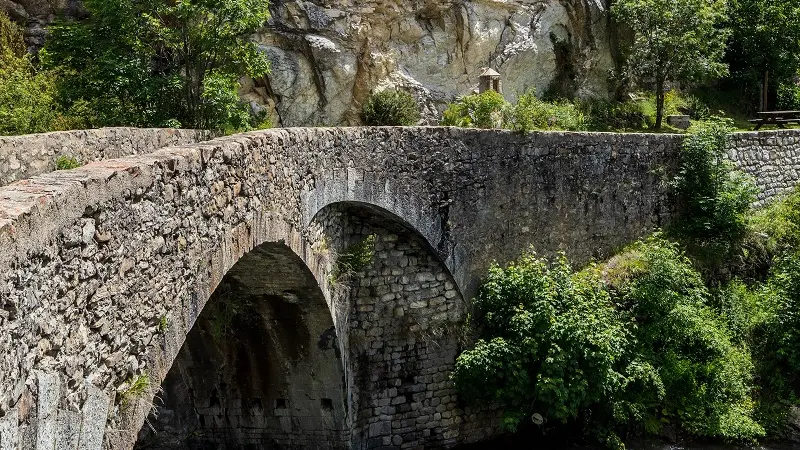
[(259, 369), (265, 367)]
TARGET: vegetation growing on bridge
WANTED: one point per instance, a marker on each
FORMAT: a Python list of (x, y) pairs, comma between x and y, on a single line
[(696, 329), (353, 259), (67, 163)]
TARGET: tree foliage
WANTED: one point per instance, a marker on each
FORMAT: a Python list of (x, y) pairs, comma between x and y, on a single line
[(26, 93), (714, 199), (765, 37), (629, 345), (155, 63), (674, 40)]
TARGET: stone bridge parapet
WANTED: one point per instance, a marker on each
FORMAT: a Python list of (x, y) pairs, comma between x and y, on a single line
[(31, 155)]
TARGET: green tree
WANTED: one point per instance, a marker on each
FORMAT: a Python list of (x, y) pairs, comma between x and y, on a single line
[(26, 93), (764, 42), (154, 63), (674, 40)]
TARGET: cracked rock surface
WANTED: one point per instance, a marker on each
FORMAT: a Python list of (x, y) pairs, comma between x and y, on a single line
[(328, 56)]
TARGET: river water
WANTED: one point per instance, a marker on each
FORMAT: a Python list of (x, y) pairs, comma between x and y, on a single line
[(537, 442)]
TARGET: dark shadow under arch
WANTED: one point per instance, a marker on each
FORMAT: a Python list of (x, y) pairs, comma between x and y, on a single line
[(260, 368)]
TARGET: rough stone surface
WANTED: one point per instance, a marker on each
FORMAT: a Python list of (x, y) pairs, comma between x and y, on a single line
[(771, 157), (94, 258), (328, 56), (27, 156)]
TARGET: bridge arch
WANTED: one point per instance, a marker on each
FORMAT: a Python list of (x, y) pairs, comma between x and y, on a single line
[(394, 340), (260, 367), (95, 259)]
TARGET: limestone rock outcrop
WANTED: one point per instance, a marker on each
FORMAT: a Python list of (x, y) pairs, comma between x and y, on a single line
[(328, 56)]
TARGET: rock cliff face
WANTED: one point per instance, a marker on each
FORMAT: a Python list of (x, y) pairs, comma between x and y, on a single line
[(36, 14), (329, 55)]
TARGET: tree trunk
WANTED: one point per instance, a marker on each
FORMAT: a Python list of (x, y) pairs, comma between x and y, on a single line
[(765, 92), (659, 103)]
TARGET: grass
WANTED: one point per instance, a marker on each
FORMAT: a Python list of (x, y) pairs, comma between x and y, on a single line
[(137, 386), (67, 163)]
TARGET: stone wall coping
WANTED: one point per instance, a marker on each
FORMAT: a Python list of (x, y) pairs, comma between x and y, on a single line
[(30, 155)]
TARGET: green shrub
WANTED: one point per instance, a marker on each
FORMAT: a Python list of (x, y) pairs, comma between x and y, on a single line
[(694, 107), (714, 199), (629, 345), (785, 283), (781, 222), (706, 377), (354, 258), (550, 342), (136, 387), (742, 308), (390, 108), (476, 111), (532, 113), (609, 115)]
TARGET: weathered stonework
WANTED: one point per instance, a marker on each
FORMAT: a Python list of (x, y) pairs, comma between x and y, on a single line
[(771, 157), (105, 269), (27, 156)]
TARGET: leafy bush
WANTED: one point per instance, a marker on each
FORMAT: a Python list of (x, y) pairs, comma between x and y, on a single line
[(773, 231), (785, 283), (714, 199), (706, 377), (390, 108), (532, 113), (609, 115), (629, 345), (694, 107), (354, 258), (550, 342), (476, 111)]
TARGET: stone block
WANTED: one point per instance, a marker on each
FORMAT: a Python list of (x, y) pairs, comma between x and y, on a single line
[(9, 431), (49, 391), (95, 414)]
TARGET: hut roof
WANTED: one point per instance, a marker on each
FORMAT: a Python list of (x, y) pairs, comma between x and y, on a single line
[(488, 72)]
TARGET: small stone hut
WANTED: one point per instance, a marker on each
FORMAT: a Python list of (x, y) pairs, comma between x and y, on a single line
[(489, 80)]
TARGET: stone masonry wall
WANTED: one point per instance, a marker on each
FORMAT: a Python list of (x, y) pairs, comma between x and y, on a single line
[(404, 323), (27, 156), (93, 258), (771, 157)]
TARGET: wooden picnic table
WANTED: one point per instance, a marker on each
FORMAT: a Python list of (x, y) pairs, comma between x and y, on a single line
[(779, 118)]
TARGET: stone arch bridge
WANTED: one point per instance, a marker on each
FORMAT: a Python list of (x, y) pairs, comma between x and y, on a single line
[(209, 295)]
